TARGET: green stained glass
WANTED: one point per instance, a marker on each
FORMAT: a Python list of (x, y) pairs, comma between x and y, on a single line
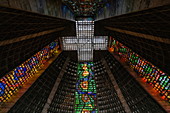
[(85, 95)]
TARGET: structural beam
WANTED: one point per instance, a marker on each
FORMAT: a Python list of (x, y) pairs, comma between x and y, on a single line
[(55, 87), (116, 87), (5, 42), (156, 96), (141, 35)]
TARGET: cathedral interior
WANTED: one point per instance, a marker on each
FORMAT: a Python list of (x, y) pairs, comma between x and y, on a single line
[(85, 56)]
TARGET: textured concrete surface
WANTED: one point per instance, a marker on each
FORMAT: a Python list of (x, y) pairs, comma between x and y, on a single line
[(118, 7), (47, 7)]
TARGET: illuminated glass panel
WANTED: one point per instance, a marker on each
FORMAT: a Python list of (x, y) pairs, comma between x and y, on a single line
[(98, 42), (85, 35), (85, 41), (85, 95), (15, 79), (149, 73)]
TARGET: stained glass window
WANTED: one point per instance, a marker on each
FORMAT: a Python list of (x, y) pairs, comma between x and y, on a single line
[(85, 95), (15, 79), (149, 73)]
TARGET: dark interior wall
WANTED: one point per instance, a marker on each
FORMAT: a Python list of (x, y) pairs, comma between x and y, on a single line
[(47, 7), (19, 24), (107, 97), (136, 97), (155, 52), (34, 99), (98, 55), (145, 32), (118, 7), (16, 23), (13, 55), (72, 55), (64, 98), (154, 21)]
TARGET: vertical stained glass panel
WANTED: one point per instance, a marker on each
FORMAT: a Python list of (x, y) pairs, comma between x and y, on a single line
[(85, 95)]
